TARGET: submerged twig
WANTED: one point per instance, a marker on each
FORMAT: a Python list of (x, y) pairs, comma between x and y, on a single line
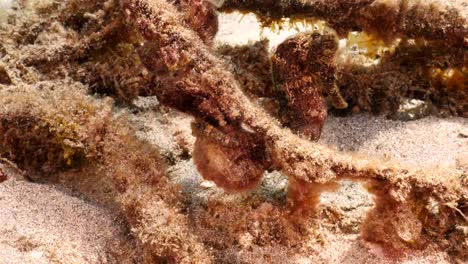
[(195, 82), (385, 19)]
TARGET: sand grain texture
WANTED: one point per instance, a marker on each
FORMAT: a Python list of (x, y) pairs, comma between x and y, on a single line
[(43, 224)]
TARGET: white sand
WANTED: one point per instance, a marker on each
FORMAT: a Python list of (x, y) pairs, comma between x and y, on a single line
[(41, 224)]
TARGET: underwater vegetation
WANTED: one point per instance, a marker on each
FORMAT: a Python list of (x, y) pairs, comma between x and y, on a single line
[(253, 113)]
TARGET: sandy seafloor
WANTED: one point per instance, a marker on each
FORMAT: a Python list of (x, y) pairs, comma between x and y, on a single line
[(47, 224)]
